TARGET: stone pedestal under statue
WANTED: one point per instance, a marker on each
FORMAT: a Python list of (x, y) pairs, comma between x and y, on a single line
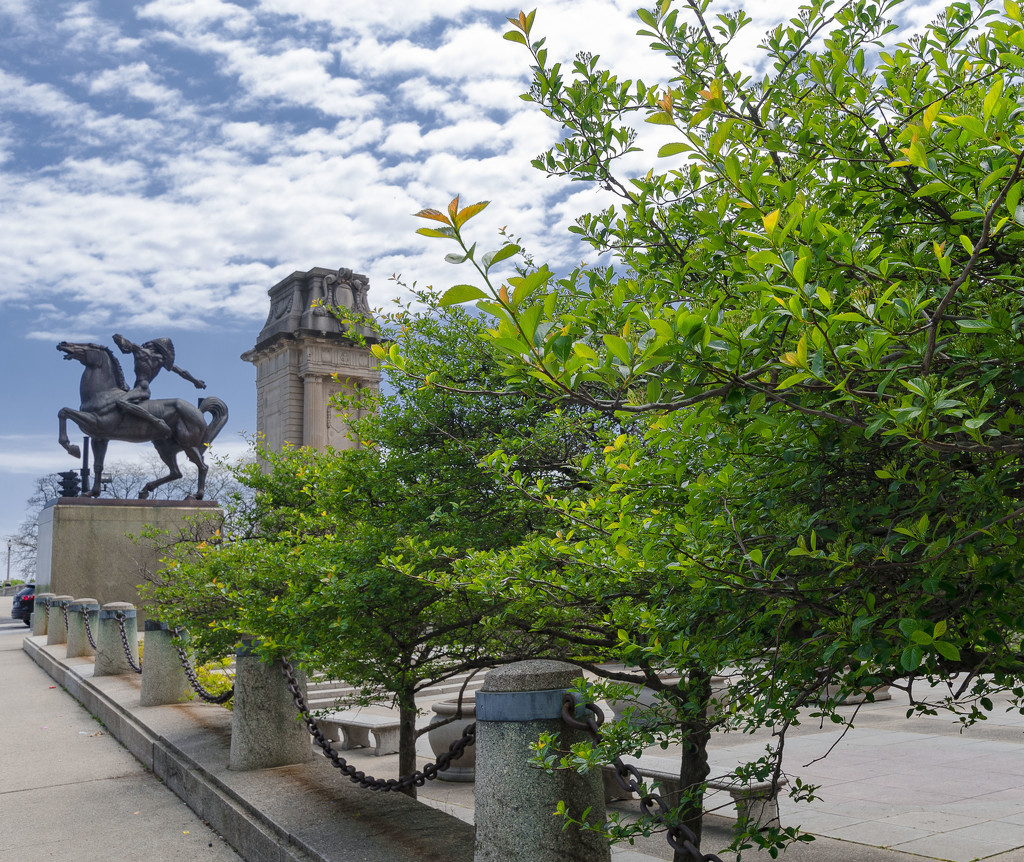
[(85, 544), (304, 356)]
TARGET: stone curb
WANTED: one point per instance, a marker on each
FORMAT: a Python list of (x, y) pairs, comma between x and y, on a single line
[(302, 813)]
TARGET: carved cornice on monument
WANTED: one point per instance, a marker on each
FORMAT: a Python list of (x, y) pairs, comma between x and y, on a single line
[(299, 305)]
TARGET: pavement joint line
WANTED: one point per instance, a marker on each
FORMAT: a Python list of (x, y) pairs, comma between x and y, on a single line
[(52, 786)]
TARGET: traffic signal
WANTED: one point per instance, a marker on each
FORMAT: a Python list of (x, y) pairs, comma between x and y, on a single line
[(69, 486)]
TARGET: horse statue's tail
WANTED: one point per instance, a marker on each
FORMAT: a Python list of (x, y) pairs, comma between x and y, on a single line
[(219, 411)]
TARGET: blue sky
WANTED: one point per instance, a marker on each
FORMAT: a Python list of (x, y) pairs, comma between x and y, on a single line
[(163, 164)]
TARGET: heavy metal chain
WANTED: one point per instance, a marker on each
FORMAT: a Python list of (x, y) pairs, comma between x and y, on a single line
[(120, 616), (64, 611), (654, 806), (418, 778), (88, 628), (198, 686)]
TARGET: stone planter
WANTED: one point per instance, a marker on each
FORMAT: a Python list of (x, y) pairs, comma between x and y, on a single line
[(646, 698), (441, 738)]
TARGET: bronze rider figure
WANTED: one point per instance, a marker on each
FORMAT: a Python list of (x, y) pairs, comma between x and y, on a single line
[(150, 357)]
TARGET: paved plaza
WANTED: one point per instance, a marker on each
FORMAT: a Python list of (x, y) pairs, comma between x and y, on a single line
[(919, 786), (891, 790)]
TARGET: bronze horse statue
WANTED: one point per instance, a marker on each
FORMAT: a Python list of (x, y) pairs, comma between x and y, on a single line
[(102, 418)]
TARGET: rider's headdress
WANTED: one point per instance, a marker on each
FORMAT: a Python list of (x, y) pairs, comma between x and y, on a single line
[(164, 347)]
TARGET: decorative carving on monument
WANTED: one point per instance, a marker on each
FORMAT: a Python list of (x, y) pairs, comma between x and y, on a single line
[(111, 411), (301, 303)]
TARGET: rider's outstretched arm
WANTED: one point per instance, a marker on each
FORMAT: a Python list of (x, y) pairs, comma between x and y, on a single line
[(181, 372), (124, 345)]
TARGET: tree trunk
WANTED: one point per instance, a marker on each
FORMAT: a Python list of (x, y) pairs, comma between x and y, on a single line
[(407, 736), (693, 765)]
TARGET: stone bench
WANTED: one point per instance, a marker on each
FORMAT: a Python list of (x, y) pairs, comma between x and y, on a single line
[(754, 800), (355, 728)]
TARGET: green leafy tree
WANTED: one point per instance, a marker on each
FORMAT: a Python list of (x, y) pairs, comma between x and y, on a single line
[(811, 337), (340, 567)]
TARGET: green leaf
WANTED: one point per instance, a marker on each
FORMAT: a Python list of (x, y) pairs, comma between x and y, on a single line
[(503, 253), (763, 258), (792, 380), (947, 650), (617, 347), (673, 149), (874, 425), (515, 36), (1015, 60), (911, 658), (462, 293), (974, 325), (645, 16), (800, 270), (992, 97), (526, 285), (931, 188)]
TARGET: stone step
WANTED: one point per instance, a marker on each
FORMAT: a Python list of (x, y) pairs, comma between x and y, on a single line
[(324, 693)]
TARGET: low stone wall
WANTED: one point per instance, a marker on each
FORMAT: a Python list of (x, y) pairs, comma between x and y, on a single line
[(299, 813)]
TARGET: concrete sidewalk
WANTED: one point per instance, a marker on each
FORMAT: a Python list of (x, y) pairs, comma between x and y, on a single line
[(892, 790), (70, 791)]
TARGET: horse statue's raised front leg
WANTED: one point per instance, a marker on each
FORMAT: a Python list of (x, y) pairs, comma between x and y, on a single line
[(62, 438)]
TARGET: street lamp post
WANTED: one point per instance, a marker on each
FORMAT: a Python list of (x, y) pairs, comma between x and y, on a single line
[(8, 581)]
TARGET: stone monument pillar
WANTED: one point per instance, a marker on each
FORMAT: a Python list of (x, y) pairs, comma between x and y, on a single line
[(304, 356)]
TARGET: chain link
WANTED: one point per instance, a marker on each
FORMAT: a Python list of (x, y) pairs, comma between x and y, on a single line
[(680, 837), (197, 686), (417, 779), (120, 616), (84, 611), (64, 611)]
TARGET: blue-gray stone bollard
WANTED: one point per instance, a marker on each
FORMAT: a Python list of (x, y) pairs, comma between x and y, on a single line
[(40, 613), (78, 639), (265, 730), (55, 631), (163, 677), (110, 655), (515, 802)]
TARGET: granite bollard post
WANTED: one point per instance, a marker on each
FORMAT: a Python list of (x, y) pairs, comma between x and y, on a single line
[(40, 613), (55, 631), (265, 726), (515, 801), (110, 656), (78, 639), (163, 677)]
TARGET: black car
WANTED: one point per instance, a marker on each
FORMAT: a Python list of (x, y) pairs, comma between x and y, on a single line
[(22, 604)]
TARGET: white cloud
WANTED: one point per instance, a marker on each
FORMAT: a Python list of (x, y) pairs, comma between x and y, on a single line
[(157, 201), (192, 14), (81, 29), (136, 80)]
